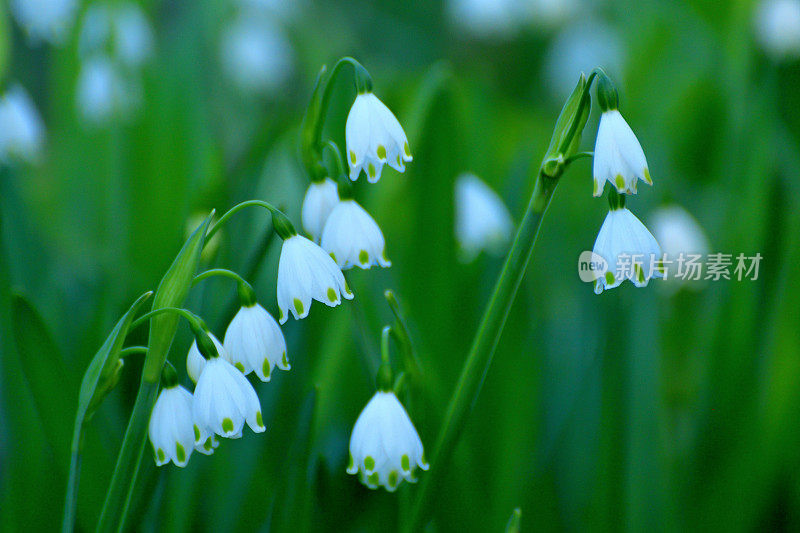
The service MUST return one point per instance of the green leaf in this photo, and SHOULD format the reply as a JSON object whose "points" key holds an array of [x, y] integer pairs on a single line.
{"points": [[171, 292], [106, 357], [51, 385]]}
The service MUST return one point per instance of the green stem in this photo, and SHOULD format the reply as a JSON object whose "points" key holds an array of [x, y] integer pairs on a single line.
{"points": [[131, 350], [480, 356], [326, 95], [238, 207], [190, 317], [218, 272]]}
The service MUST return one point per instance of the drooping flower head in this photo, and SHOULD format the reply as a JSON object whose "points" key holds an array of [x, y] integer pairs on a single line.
{"points": [[778, 27], [618, 156], [374, 138], [482, 219], [353, 238], [21, 128], [320, 199], [223, 399], [306, 273], [255, 339], [172, 431], [384, 447], [629, 249], [45, 20]]}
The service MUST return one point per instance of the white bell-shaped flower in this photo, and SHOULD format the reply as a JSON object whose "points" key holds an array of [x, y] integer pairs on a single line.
{"points": [[629, 250], [618, 156], [778, 27], [255, 338], [482, 219], [224, 400], [306, 273], [195, 362], [21, 128], [353, 238], [320, 199], [172, 430], [45, 20], [384, 447], [374, 137]]}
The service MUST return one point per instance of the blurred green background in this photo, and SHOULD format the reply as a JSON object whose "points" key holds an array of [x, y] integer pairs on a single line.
{"points": [[640, 409]]}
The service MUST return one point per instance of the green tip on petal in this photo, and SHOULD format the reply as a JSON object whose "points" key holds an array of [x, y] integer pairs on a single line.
{"points": [[639, 273], [347, 289], [371, 170], [596, 189], [619, 181], [352, 157], [266, 368], [240, 366], [160, 455], [331, 294], [196, 434], [373, 479], [405, 463], [180, 453], [285, 360], [393, 478], [333, 256], [259, 419], [381, 151], [350, 462], [298, 306], [208, 444], [227, 425], [647, 177], [369, 462], [407, 150], [280, 314], [609, 278], [363, 257]]}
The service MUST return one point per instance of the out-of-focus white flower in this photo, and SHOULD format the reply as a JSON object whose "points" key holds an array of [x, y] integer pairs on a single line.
{"points": [[305, 273], [45, 20], [172, 430], [254, 338], [678, 233], [384, 447], [629, 249], [578, 48], [482, 219], [104, 92], [133, 37], [21, 127], [353, 238], [121, 31], [374, 137], [195, 362], [320, 199], [223, 401], [778, 27], [256, 54], [503, 18], [618, 156]]}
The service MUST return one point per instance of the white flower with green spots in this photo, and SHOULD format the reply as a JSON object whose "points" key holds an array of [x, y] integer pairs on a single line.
{"points": [[223, 401], [254, 338], [171, 429], [195, 362], [353, 238], [384, 447], [320, 199], [630, 250], [618, 156], [374, 137], [305, 273]]}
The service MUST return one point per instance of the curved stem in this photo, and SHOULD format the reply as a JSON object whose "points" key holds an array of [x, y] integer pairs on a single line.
{"points": [[326, 95], [132, 350], [579, 155], [235, 209], [480, 356], [223, 272], [343, 186], [193, 319], [387, 330], [337, 157]]}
